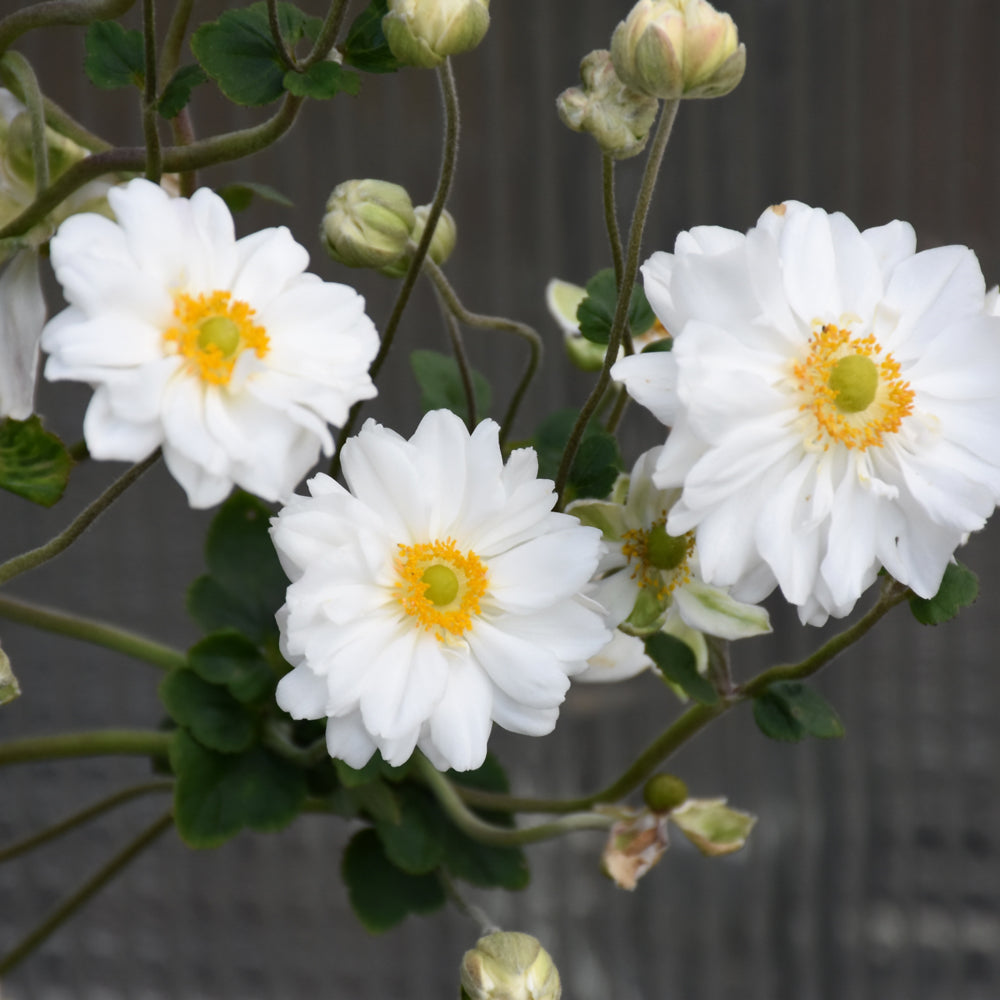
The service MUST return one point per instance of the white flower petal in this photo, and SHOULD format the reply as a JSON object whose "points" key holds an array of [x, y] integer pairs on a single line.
{"points": [[22, 316]]}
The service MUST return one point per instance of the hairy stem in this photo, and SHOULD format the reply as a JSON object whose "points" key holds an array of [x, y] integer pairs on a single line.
{"points": [[170, 53], [53, 12], [30, 92], [611, 217], [462, 361], [93, 743], [327, 34], [150, 114]]}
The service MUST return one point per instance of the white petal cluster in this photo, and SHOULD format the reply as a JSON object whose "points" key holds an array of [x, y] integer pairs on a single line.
{"points": [[223, 352], [834, 403], [436, 595]]}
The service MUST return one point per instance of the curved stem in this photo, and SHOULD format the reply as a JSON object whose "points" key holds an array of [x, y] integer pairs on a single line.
{"points": [[482, 322], [31, 93], [327, 34], [449, 157], [618, 410], [94, 632], [94, 743], [79, 818], [53, 12], [611, 216], [656, 150], [279, 40], [170, 53], [150, 114], [29, 560], [91, 887], [462, 361], [478, 916]]}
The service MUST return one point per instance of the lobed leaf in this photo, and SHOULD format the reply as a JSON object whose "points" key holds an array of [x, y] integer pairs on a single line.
{"points": [[676, 661], [34, 463], [441, 385], [365, 46], [790, 711], [210, 713], [959, 588], [115, 56], [177, 92]]}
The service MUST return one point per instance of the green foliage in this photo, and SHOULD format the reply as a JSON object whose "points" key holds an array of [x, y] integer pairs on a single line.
{"points": [[217, 795], [115, 57], [441, 385], [365, 46], [177, 92], [791, 711], [596, 465], [959, 589], [415, 840], [34, 463], [239, 197], [234, 662], [322, 80], [210, 713], [240, 54], [675, 660], [596, 312], [382, 894], [245, 584]]}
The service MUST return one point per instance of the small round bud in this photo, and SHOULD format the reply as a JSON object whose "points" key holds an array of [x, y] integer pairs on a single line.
{"points": [[508, 965], [367, 223], [442, 242], [618, 117], [664, 792], [678, 48], [425, 32]]}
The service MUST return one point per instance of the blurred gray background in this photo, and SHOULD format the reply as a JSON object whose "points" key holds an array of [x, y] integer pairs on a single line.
{"points": [[874, 869]]}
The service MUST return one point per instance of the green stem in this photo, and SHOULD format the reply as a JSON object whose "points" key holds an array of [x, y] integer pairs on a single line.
{"points": [[31, 93], [79, 818], [93, 743], [468, 822], [478, 916], [618, 410], [94, 632], [327, 34], [279, 40], [170, 54], [462, 361], [611, 217], [150, 113], [645, 196], [29, 560], [53, 12], [449, 157], [91, 887], [478, 321]]}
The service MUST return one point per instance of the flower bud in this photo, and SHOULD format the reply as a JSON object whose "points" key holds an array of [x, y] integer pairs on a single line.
{"points": [[664, 792], [425, 32], [367, 223], [16, 143], [508, 965], [618, 117], [678, 48], [442, 242]]}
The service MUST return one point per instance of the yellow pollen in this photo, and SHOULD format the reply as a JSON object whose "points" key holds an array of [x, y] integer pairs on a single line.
{"points": [[852, 390], [440, 587], [211, 331], [660, 562]]}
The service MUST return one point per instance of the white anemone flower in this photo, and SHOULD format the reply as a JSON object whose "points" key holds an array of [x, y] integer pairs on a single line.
{"points": [[438, 594], [835, 403], [223, 352]]}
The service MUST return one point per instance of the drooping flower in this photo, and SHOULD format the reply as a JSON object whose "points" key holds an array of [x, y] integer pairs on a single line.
{"points": [[834, 400], [436, 595], [222, 351]]}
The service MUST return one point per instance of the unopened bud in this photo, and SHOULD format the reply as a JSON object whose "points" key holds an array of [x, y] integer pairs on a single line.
{"points": [[367, 223], [508, 965], [18, 152], [617, 116], [664, 792], [425, 32], [678, 48], [442, 242]]}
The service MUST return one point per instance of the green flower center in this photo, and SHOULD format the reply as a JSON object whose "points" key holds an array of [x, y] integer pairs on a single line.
{"points": [[219, 332], [854, 380], [442, 584], [665, 551]]}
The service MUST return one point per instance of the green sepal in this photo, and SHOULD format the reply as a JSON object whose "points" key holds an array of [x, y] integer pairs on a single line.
{"points": [[34, 463], [217, 795], [959, 588], [441, 385], [790, 711], [597, 463], [115, 56], [382, 895], [177, 92], [365, 47], [676, 661], [596, 312], [322, 80], [210, 713], [239, 197], [230, 659]]}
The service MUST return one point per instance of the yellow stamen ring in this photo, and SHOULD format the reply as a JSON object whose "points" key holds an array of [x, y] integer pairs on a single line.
{"points": [[440, 587], [660, 561], [211, 332], [852, 389]]}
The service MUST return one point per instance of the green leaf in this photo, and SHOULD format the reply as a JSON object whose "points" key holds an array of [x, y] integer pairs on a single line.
{"points": [[596, 312], [217, 795], [959, 588], [790, 711], [676, 662], [322, 80], [596, 465], [34, 463], [381, 894], [414, 842], [238, 197], [239, 53], [233, 661], [177, 92], [376, 800], [441, 385], [365, 46], [663, 344], [115, 57], [211, 714]]}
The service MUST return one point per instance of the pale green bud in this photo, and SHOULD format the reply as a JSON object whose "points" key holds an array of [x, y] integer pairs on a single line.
{"points": [[367, 223], [16, 141], [508, 965], [617, 116], [442, 242], [678, 48], [425, 32]]}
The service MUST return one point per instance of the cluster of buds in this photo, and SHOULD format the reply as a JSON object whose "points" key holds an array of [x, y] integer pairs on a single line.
{"points": [[508, 965], [425, 32]]}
